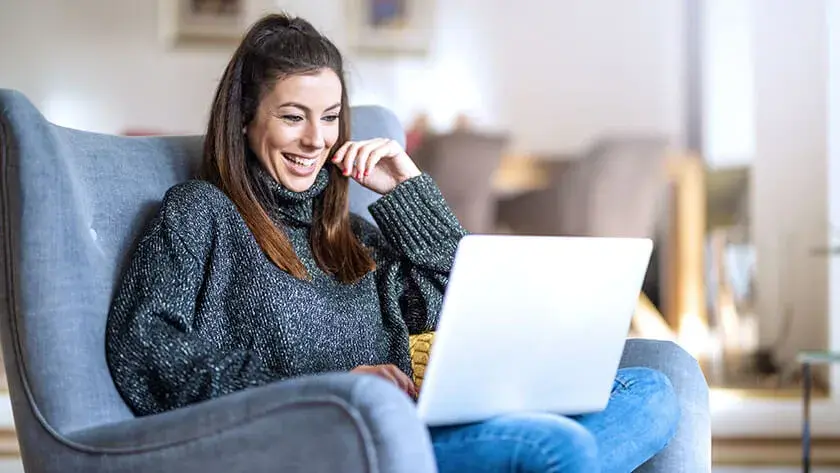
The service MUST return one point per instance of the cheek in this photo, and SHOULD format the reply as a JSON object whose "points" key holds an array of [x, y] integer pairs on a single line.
{"points": [[330, 136], [279, 136]]}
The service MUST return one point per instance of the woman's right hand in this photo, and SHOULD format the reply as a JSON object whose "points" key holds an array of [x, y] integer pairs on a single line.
{"points": [[392, 374]]}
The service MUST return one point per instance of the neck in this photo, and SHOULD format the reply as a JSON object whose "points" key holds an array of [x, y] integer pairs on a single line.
{"points": [[292, 208]]}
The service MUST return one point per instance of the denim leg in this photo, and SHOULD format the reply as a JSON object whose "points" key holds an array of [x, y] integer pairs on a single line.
{"points": [[640, 419], [520, 443]]}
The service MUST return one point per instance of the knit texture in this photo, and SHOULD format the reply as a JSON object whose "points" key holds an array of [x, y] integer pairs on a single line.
{"points": [[202, 312]]}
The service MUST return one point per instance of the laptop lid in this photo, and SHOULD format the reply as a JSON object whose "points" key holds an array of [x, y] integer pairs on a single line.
{"points": [[532, 323]]}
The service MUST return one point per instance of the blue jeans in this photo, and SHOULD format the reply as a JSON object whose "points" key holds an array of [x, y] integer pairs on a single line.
{"points": [[639, 421]]}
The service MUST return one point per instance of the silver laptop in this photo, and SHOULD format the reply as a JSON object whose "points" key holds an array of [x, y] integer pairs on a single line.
{"points": [[532, 324]]}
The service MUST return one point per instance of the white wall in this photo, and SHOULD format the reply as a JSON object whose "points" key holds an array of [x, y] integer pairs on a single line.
{"points": [[728, 82], [557, 74], [833, 178], [96, 65], [766, 106], [790, 194], [574, 69]]}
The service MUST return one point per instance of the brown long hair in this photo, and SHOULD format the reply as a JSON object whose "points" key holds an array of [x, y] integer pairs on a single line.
{"points": [[276, 47]]}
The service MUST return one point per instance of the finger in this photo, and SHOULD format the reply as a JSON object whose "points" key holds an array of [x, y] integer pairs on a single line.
{"points": [[339, 154], [398, 375], [372, 164], [385, 373], [376, 151], [349, 158], [362, 157], [387, 149], [405, 382], [412, 388]]}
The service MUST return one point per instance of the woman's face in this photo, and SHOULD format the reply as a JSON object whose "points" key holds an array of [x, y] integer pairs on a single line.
{"points": [[295, 126]]}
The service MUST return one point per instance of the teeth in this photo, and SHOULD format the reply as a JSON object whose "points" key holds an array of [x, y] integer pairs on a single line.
{"points": [[300, 161]]}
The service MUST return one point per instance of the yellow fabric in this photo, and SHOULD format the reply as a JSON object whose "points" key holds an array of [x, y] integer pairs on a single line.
{"points": [[419, 347]]}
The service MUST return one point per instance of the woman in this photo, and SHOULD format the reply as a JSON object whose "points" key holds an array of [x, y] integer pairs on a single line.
{"points": [[258, 273]]}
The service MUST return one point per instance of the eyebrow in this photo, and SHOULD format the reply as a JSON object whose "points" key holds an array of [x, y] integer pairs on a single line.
{"points": [[305, 108]]}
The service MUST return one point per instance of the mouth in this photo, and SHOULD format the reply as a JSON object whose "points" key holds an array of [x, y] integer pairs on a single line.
{"points": [[302, 166], [301, 160]]}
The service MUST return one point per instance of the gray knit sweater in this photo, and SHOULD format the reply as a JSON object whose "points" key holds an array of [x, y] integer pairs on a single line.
{"points": [[202, 312]]}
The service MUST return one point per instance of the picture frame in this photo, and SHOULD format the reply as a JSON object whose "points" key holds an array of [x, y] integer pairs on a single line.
{"points": [[391, 26], [202, 23]]}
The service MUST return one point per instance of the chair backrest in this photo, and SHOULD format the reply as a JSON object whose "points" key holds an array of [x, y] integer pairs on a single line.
{"points": [[620, 187], [463, 163], [72, 204]]}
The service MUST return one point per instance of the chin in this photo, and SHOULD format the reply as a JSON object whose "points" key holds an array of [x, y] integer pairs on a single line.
{"points": [[297, 174], [297, 184]]}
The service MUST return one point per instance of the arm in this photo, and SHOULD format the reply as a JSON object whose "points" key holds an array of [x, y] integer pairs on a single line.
{"points": [[415, 251], [158, 358]]}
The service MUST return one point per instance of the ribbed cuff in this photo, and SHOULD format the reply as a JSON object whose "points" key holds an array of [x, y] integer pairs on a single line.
{"points": [[415, 217]]}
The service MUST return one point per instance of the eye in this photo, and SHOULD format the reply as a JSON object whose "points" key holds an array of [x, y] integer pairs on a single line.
{"points": [[331, 118], [292, 118]]}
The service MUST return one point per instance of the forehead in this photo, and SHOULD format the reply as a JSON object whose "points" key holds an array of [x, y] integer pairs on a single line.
{"points": [[320, 89]]}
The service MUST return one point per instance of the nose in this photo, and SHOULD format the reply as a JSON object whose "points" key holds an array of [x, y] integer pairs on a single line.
{"points": [[313, 136]]}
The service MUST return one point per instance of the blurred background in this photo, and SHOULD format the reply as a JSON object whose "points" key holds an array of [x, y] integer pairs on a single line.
{"points": [[710, 126]]}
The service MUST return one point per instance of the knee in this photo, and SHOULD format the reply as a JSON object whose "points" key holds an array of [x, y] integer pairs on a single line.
{"points": [[656, 403], [554, 443]]}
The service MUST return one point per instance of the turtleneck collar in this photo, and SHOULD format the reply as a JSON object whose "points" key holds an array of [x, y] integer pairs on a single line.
{"points": [[293, 208]]}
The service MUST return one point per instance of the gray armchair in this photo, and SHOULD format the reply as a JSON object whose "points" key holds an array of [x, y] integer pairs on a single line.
{"points": [[72, 205]]}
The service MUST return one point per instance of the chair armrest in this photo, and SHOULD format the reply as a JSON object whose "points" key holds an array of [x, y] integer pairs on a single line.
{"points": [[690, 449], [324, 423]]}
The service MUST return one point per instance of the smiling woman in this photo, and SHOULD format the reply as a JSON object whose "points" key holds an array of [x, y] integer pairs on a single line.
{"points": [[283, 95], [258, 272], [290, 139]]}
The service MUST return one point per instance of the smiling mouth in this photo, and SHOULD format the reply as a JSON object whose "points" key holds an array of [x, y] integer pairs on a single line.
{"points": [[301, 161]]}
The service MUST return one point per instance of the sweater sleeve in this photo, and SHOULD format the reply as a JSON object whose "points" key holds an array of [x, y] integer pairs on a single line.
{"points": [[414, 256], [158, 358]]}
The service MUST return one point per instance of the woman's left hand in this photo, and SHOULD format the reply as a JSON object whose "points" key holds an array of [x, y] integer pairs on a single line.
{"points": [[379, 164]]}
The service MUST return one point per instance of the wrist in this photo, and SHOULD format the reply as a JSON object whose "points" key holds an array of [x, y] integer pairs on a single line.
{"points": [[409, 175]]}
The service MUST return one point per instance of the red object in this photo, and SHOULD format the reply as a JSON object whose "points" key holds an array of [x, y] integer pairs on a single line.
{"points": [[413, 138]]}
